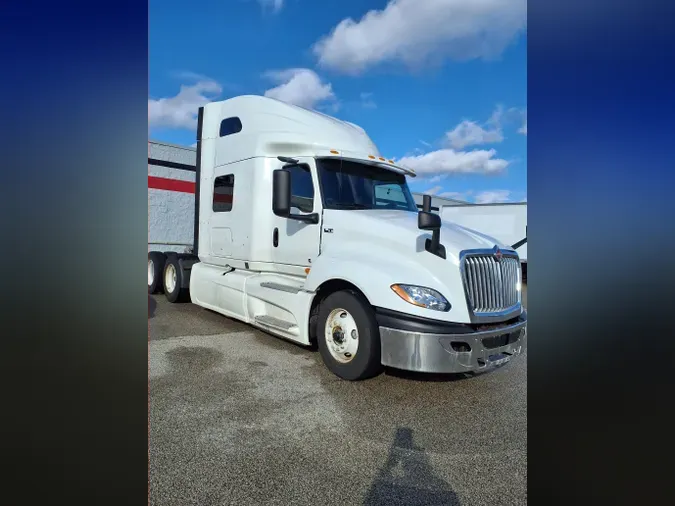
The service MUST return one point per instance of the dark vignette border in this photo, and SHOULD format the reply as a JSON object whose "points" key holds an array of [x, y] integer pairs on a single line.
{"points": [[74, 350]]}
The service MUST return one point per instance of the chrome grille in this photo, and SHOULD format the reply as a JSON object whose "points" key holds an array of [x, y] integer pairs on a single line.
{"points": [[492, 286]]}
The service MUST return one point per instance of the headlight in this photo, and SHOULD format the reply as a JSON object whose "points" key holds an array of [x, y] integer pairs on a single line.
{"points": [[422, 297]]}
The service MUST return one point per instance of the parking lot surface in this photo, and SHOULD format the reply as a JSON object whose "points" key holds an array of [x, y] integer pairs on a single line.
{"points": [[239, 417]]}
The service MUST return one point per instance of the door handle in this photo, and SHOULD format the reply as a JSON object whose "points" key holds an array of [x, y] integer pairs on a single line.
{"points": [[275, 237]]}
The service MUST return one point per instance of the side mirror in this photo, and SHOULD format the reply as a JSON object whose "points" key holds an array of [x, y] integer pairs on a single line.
{"points": [[428, 221], [281, 198], [281, 192]]}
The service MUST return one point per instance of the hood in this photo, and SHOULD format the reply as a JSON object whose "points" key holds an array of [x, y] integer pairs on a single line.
{"points": [[399, 230]]}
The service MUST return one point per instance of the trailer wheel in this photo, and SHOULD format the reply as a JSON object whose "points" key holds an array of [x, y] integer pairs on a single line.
{"points": [[349, 337], [156, 261], [172, 280]]}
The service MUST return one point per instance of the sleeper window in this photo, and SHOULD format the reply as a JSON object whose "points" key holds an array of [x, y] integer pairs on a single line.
{"points": [[302, 188], [223, 191], [230, 126]]}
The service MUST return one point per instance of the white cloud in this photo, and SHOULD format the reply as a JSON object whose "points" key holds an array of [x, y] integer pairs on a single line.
{"points": [[299, 86], [523, 129], [492, 196], [470, 133], [416, 32], [521, 116], [433, 191], [274, 5], [180, 111], [515, 115], [455, 195], [449, 161], [367, 101]]}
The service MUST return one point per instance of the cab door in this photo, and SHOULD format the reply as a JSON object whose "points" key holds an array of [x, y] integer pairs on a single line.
{"points": [[296, 244]]}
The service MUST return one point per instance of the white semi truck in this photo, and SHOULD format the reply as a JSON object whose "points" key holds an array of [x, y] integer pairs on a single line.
{"points": [[302, 229]]}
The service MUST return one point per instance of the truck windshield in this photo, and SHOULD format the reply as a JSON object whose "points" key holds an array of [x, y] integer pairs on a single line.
{"points": [[354, 185]]}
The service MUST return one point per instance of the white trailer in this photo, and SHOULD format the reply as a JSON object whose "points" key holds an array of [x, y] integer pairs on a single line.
{"points": [[301, 228], [506, 222], [171, 197]]}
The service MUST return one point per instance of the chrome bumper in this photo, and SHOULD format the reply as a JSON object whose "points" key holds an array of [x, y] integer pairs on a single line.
{"points": [[452, 352]]}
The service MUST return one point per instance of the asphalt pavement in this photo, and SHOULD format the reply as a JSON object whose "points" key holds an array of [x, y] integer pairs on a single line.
{"points": [[239, 417]]}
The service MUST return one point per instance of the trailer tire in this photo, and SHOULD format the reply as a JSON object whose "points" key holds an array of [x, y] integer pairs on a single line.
{"points": [[349, 336], [172, 279], [156, 261]]}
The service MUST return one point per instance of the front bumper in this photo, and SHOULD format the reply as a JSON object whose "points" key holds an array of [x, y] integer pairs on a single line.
{"points": [[416, 344]]}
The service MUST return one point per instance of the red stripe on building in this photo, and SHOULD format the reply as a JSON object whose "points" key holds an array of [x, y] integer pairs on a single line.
{"points": [[173, 185], [176, 185]]}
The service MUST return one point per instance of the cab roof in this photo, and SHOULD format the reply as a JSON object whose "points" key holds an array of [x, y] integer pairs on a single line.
{"points": [[252, 125]]}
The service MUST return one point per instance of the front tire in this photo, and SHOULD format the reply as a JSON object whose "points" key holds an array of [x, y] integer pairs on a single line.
{"points": [[349, 337], [173, 280]]}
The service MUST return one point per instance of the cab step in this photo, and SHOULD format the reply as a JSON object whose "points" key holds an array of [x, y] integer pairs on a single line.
{"points": [[276, 323]]}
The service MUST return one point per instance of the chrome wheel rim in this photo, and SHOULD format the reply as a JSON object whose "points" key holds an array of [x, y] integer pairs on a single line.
{"points": [[170, 278], [342, 335]]}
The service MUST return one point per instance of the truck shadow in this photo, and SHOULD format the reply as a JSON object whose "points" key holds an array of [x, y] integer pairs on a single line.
{"points": [[152, 305], [407, 478]]}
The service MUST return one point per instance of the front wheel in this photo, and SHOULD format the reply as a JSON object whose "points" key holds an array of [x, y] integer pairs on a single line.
{"points": [[349, 337]]}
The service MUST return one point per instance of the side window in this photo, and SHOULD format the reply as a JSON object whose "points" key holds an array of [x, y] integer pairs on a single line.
{"points": [[389, 195], [230, 126], [223, 192], [302, 189]]}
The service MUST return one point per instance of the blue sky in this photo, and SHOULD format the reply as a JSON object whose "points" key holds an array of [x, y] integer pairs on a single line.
{"points": [[439, 85]]}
